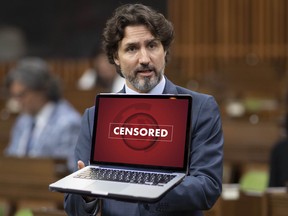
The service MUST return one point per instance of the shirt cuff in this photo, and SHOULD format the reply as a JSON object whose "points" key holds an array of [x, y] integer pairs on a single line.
{"points": [[91, 207]]}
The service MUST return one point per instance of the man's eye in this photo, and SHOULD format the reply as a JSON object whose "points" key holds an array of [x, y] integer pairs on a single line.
{"points": [[130, 49], [152, 45]]}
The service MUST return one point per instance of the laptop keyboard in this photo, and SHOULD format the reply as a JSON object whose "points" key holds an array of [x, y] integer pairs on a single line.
{"points": [[126, 176]]}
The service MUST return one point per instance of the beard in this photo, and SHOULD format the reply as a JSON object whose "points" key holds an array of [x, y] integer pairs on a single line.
{"points": [[145, 84]]}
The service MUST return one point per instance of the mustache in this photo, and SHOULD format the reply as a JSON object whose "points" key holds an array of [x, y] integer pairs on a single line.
{"points": [[144, 68]]}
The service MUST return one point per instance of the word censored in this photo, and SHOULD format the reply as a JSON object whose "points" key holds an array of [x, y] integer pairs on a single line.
{"points": [[151, 132], [141, 131]]}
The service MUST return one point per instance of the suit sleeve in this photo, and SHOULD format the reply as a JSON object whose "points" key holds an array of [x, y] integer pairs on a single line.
{"points": [[75, 204], [202, 187]]}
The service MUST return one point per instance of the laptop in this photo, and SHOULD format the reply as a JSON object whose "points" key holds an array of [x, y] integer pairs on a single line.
{"points": [[140, 148]]}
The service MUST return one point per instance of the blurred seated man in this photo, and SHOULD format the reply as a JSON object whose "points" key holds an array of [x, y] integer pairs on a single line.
{"points": [[101, 74], [47, 125], [279, 160]]}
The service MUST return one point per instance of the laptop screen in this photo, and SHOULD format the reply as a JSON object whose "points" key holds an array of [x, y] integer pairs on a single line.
{"points": [[142, 130]]}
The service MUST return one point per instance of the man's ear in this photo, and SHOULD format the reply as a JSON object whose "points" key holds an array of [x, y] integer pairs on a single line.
{"points": [[116, 60]]}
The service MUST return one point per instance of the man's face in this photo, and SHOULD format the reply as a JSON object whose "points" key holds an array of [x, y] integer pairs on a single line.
{"points": [[29, 101], [141, 58]]}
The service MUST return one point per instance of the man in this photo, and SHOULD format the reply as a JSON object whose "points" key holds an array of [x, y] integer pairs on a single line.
{"points": [[48, 126], [137, 41], [100, 75]]}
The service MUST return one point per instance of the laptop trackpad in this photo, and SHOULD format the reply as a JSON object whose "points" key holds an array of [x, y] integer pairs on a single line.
{"points": [[105, 187]]}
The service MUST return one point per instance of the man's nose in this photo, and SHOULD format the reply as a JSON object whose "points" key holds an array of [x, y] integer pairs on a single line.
{"points": [[144, 57]]}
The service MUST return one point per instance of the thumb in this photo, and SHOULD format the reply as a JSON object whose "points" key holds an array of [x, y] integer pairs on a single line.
{"points": [[81, 164]]}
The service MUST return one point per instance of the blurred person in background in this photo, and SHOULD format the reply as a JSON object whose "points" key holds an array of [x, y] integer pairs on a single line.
{"points": [[47, 125], [101, 75], [278, 176]]}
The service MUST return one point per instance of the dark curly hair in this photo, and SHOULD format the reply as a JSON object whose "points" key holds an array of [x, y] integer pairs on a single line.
{"points": [[135, 14], [35, 74]]}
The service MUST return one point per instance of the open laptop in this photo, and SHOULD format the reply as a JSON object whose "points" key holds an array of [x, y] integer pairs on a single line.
{"points": [[140, 143]]}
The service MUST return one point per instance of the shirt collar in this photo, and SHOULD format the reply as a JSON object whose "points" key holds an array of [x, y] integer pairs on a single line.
{"points": [[158, 89], [43, 116]]}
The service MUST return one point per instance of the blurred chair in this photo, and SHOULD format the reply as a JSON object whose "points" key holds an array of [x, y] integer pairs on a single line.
{"points": [[24, 212], [254, 181]]}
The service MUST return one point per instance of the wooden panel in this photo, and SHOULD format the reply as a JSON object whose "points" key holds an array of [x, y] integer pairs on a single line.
{"points": [[81, 100], [235, 48], [246, 142], [273, 202], [68, 70], [48, 212], [278, 204], [252, 204], [209, 33], [233, 202], [26, 180]]}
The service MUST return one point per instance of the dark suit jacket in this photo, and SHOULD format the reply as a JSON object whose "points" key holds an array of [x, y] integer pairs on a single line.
{"points": [[198, 191], [278, 176]]}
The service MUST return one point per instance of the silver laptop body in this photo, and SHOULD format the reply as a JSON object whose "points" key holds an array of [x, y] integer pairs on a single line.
{"points": [[135, 135]]}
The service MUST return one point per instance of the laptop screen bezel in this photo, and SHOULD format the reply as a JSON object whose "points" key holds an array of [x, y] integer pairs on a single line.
{"points": [[187, 149]]}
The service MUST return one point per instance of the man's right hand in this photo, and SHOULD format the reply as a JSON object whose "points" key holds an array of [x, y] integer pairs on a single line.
{"points": [[81, 165]]}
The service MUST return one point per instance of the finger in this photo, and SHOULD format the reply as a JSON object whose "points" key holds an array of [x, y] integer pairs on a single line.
{"points": [[80, 164]]}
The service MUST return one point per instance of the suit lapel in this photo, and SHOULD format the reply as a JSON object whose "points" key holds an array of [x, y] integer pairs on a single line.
{"points": [[169, 88]]}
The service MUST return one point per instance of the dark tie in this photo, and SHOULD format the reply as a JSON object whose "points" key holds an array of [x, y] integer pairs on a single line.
{"points": [[29, 140]]}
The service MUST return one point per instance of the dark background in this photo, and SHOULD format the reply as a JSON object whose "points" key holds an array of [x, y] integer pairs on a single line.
{"points": [[62, 28]]}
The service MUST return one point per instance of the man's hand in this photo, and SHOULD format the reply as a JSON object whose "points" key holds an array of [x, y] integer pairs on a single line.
{"points": [[81, 165]]}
